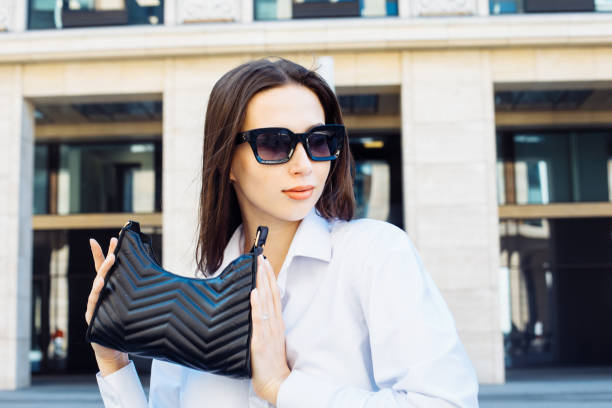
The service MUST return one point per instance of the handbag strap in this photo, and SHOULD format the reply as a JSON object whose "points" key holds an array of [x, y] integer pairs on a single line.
{"points": [[260, 240]]}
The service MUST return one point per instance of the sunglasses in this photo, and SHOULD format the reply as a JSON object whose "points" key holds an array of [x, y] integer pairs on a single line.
{"points": [[275, 145]]}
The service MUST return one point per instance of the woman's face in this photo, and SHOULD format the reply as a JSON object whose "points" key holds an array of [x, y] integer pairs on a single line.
{"points": [[263, 189]]}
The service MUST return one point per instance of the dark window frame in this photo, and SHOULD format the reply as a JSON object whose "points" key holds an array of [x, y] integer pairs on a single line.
{"points": [[558, 6], [326, 9]]}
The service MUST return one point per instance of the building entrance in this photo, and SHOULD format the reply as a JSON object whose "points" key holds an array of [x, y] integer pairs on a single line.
{"points": [[97, 164], [378, 176], [63, 272], [559, 277], [555, 196]]}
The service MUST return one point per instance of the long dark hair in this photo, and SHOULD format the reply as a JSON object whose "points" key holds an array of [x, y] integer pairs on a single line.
{"points": [[219, 214]]}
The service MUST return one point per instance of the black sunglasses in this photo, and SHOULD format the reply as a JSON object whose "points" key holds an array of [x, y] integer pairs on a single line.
{"points": [[275, 145]]}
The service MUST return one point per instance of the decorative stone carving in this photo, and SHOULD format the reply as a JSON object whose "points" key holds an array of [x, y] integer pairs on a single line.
{"points": [[444, 7], [5, 13], [196, 11]]}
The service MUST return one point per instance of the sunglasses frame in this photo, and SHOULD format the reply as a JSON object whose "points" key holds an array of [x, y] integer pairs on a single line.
{"points": [[250, 136]]}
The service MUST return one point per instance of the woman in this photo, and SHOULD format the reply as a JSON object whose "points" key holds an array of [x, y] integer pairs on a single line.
{"points": [[344, 314]]}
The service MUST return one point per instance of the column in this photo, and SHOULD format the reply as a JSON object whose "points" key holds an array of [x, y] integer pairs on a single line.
{"points": [[326, 70], [186, 90], [448, 143], [6, 15], [16, 170], [13, 15], [170, 12], [404, 10], [483, 7], [247, 11]]}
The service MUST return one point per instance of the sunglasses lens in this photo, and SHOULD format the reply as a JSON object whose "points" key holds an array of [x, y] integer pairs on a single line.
{"points": [[323, 143], [273, 146]]}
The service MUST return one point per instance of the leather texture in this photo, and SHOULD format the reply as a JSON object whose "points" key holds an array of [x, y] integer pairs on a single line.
{"points": [[147, 311]]}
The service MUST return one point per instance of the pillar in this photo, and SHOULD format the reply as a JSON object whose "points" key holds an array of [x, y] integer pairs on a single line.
{"points": [[187, 87], [450, 205], [16, 172]]}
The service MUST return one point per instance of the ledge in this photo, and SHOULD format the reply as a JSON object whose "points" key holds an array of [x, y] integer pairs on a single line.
{"points": [[320, 35], [556, 210], [96, 220]]}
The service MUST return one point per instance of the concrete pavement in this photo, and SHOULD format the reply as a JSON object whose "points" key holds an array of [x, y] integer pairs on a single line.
{"points": [[555, 388]]}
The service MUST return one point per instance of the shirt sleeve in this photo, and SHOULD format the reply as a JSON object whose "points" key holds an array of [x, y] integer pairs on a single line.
{"points": [[417, 357], [122, 389]]}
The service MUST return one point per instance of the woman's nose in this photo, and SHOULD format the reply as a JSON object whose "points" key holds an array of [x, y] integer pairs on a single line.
{"points": [[300, 162]]}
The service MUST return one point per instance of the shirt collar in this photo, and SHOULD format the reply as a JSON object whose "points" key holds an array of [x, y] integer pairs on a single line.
{"points": [[312, 239]]}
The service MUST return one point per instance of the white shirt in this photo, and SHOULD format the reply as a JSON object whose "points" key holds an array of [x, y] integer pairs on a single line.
{"points": [[365, 327]]}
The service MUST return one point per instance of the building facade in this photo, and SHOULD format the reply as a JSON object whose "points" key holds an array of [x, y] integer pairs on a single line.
{"points": [[483, 128]]}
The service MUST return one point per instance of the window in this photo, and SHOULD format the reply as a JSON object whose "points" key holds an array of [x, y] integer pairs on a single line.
{"points": [[505, 6], [550, 100], [41, 181], [296, 9], [378, 175], [543, 167], [98, 178], [359, 104], [89, 13], [548, 6]]}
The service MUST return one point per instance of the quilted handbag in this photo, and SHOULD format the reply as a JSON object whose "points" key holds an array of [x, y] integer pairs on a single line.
{"points": [[147, 311]]}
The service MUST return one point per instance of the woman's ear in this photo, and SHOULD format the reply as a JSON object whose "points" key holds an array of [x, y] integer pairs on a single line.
{"points": [[232, 178]]}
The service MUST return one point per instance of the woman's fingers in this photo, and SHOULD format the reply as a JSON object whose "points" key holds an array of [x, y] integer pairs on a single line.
{"points": [[108, 360], [274, 289], [106, 265], [96, 288], [255, 310], [110, 258], [112, 245], [97, 253], [268, 353], [111, 248], [102, 267], [263, 288], [269, 309], [256, 299]]}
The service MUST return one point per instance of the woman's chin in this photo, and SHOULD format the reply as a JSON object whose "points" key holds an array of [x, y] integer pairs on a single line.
{"points": [[296, 211]]}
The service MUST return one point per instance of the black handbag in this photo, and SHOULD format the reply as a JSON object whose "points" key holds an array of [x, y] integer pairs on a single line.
{"points": [[147, 311]]}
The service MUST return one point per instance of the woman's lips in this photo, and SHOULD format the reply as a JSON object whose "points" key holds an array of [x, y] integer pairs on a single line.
{"points": [[299, 192]]}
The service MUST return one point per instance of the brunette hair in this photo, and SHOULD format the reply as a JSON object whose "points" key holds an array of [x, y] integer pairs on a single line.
{"points": [[219, 213]]}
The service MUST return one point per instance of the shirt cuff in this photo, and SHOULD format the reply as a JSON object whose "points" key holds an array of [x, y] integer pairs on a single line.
{"points": [[122, 388]]}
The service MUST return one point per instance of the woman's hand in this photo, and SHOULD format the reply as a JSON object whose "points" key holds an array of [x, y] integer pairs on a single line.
{"points": [[268, 357], [109, 360]]}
